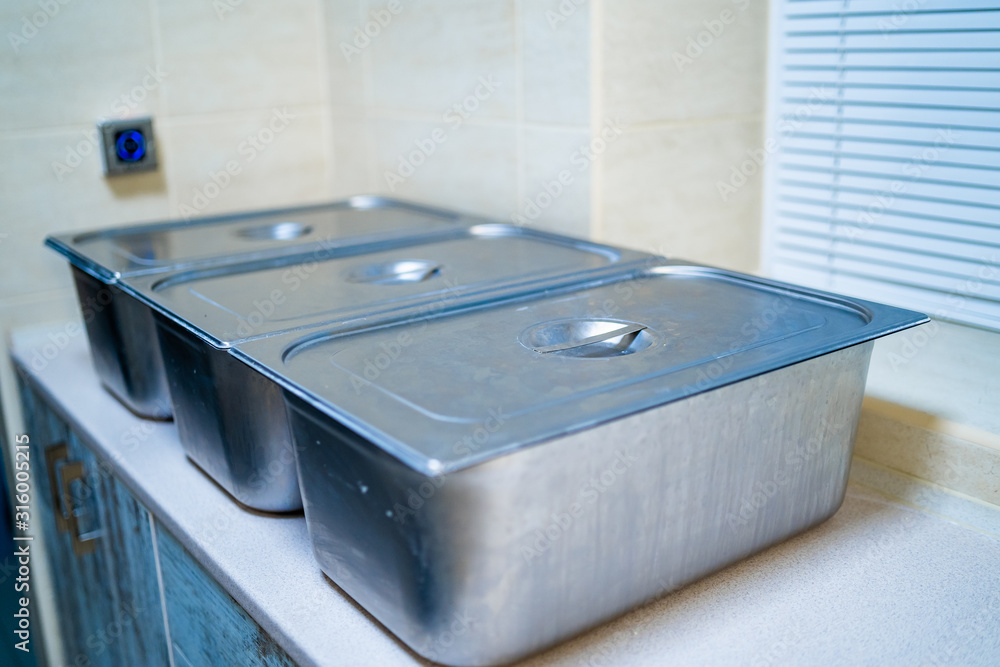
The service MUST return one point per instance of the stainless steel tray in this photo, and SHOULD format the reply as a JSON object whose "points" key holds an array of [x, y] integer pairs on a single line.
{"points": [[165, 246], [232, 421], [121, 331], [517, 473]]}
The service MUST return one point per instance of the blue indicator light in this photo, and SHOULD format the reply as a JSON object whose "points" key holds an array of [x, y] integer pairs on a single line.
{"points": [[130, 146]]}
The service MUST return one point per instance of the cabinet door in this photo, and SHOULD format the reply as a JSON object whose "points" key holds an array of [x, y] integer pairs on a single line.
{"points": [[79, 577], [99, 544], [207, 626], [136, 634]]}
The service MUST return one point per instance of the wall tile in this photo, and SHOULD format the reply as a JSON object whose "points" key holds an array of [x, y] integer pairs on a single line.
{"points": [[556, 62], [346, 63], [255, 56], [549, 154], [278, 157], [642, 41], [43, 308], [87, 61], [36, 203], [660, 193], [432, 55], [353, 162], [474, 169]]}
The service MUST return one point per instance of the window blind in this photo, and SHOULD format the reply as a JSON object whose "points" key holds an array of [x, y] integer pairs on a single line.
{"points": [[883, 179]]}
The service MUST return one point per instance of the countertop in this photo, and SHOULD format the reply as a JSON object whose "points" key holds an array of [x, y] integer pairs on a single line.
{"points": [[880, 583]]}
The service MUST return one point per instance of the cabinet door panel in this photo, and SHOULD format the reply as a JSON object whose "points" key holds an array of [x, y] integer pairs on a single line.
{"points": [[83, 598], [137, 634], [100, 545], [207, 626]]}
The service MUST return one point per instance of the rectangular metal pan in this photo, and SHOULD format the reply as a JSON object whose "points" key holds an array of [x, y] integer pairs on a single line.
{"points": [[521, 472], [121, 330], [232, 422]]}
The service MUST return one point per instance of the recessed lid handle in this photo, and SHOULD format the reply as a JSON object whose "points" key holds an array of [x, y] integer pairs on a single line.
{"points": [[402, 271], [277, 231], [628, 329]]}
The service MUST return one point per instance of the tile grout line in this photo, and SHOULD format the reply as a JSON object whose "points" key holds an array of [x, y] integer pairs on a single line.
{"points": [[667, 123], [156, 37], [179, 120], [329, 130], [163, 594], [187, 120], [428, 117], [519, 125], [157, 40], [183, 120], [368, 93], [597, 230]]}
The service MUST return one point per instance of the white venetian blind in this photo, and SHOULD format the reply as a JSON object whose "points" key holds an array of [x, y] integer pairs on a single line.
{"points": [[886, 180]]}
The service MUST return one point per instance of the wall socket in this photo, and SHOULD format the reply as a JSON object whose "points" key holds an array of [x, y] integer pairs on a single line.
{"points": [[127, 146]]}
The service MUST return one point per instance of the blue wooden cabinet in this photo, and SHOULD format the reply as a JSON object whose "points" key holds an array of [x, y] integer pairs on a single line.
{"points": [[120, 578], [207, 627], [67, 483]]}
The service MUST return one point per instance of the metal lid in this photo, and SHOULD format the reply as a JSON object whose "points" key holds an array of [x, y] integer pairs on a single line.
{"points": [[532, 369], [358, 286], [142, 249]]}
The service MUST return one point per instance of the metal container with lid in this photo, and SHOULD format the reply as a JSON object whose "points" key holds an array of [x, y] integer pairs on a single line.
{"points": [[121, 330], [232, 421], [517, 472]]}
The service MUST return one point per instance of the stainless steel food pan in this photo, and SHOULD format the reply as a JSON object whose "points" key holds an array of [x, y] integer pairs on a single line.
{"points": [[123, 345], [232, 421], [121, 331], [521, 472]]}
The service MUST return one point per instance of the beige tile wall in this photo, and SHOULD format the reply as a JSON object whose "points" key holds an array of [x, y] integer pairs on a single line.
{"points": [[686, 81], [496, 93], [566, 72]]}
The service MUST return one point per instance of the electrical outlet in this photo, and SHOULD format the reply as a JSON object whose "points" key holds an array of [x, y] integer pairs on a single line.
{"points": [[127, 145]]}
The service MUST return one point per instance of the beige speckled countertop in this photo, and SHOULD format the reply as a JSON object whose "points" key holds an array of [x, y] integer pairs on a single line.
{"points": [[881, 583]]}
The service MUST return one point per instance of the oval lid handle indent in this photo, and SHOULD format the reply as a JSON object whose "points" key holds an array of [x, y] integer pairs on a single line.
{"points": [[277, 231], [402, 271], [626, 330]]}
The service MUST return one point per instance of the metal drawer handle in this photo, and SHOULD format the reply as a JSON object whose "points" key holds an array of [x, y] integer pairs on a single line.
{"points": [[82, 544], [62, 473], [607, 335], [53, 455]]}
